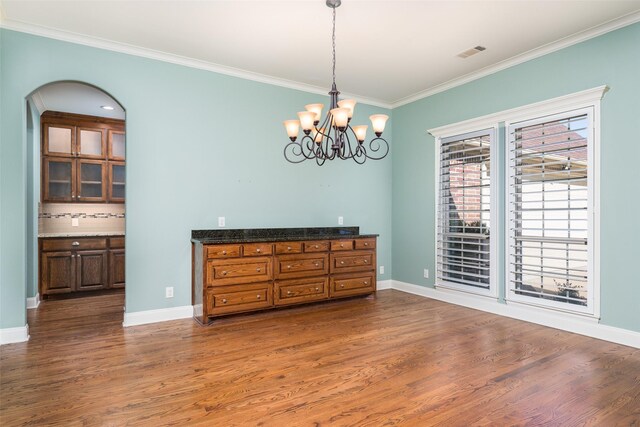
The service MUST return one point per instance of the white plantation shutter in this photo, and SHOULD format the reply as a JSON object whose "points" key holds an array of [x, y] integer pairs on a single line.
{"points": [[464, 212], [550, 211]]}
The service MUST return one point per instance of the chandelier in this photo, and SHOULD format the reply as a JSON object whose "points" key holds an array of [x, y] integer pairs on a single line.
{"points": [[333, 137]]}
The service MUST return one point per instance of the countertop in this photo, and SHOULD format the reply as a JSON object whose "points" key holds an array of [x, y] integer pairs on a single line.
{"points": [[83, 234], [249, 235]]}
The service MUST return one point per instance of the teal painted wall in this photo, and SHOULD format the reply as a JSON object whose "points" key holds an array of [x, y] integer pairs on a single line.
{"points": [[200, 145], [612, 59]]}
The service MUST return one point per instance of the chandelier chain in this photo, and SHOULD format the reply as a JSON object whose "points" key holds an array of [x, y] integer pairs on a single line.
{"points": [[333, 39]]}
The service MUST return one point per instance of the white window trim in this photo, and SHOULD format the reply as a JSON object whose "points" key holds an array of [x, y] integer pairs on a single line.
{"points": [[496, 233], [574, 101]]}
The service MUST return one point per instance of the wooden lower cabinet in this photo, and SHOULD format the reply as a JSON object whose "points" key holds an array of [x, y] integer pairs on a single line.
{"points": [[80, 264], [236, 278]]}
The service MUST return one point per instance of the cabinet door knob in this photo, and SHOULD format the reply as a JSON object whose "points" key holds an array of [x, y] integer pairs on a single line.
{"points": [[288, 248], [224, 252], [342, 286], [258, 296], [316, 246], [224, 300], [365, 261], [317, 289], [258, 250], [366, 283], [224, 273], [258, 269], [317, 265], [342, 262], [75, 244], [289, 292], [288, 266], [366, 244], [342, 245]]}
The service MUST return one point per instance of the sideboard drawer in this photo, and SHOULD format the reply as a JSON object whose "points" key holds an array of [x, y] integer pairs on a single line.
{"points": [[291, 266], [301, 290], [317, 246], [239, 298], [239, 270], [352, 261], [223, 251], [257, 249], [342, 245], [353, 285], [365, 243], [289, 248]]}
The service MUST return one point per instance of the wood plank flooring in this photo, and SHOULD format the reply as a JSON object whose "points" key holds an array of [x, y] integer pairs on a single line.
{"points": [[390, 359]]}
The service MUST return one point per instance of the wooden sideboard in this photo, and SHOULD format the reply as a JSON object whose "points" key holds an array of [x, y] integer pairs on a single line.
{"points": [[240, 277]]}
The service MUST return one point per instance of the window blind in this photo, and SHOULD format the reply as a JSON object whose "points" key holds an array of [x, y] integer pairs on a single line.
{"points": [[464, 211], [549, 210]]}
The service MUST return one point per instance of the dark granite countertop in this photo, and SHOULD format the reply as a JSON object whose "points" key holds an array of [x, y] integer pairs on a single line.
{"points": [[249, 235]]}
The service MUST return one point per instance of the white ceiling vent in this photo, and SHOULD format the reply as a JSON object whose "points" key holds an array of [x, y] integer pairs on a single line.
{"points": [[470, 52]]}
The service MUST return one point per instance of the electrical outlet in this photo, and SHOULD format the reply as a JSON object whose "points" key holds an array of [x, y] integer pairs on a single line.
{"points": [[382, 269], [168, 292], [221, 221], [75, 222], [426, 273], [340, 220]]}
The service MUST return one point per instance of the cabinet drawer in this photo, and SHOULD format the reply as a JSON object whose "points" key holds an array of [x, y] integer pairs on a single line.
{"points": [[78, 243], [239, 298], [342, 245], [116, 242], [353, 261], [289, 248], [319, 246], [352, 285], [301, 290], [223, 251], [365, 243], [257, 249], [291, 266], [239, 270]]}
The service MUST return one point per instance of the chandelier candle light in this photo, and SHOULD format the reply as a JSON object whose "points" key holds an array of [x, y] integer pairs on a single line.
{"points": [[334, 137]]}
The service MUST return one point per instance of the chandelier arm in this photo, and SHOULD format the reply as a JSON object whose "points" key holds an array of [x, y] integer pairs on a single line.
{"points": [[291, 147], [309, 145], [376, 145]]}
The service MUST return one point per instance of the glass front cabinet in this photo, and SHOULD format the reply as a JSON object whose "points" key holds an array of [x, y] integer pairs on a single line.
{"points": [[82, 158]]}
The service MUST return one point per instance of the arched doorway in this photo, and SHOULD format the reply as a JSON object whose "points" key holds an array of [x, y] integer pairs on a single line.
{"points": [[76, 157]]}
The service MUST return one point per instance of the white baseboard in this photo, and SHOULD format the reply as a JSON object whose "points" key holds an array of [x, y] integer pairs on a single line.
{"points": [[13, 335], [160, 315], [384, 284], [33, 302], [571, 323]]}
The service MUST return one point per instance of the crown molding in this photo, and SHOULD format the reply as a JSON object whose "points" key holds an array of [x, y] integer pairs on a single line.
{"points": [[571, 40], [157, 55], [38, 102]]}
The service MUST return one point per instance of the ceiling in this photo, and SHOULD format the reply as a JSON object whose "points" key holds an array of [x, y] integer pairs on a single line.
{"points": [[387, 51], [78, 98]]}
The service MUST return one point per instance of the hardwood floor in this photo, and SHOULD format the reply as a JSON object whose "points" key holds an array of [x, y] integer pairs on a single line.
{"points": [[390, 359]]}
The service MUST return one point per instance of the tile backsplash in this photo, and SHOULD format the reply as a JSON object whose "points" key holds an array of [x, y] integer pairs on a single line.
{"points": [[91, 218]]}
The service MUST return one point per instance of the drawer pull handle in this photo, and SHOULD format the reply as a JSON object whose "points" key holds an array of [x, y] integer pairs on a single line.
{"points": [[258, 250], [365, 261], [342, 245], [258, 269], [366, 244], [342, 262], [224, 300], [342, 286], [224, 273], [317, 289], [366, 283], [75, 244], [288, 248], [258, 296], [224, 252], [289, 292], [316, 246], [317, 265], [288, 266]]}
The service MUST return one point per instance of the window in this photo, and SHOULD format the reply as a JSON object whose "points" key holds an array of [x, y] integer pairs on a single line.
{"points": [[550, 211], [465, 243]]}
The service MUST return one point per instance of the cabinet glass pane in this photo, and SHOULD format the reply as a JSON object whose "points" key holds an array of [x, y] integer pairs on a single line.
{"points": [[90, 180], [91, 142], [117, 182], [59, 140], [59, 180], [117, 145]]}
